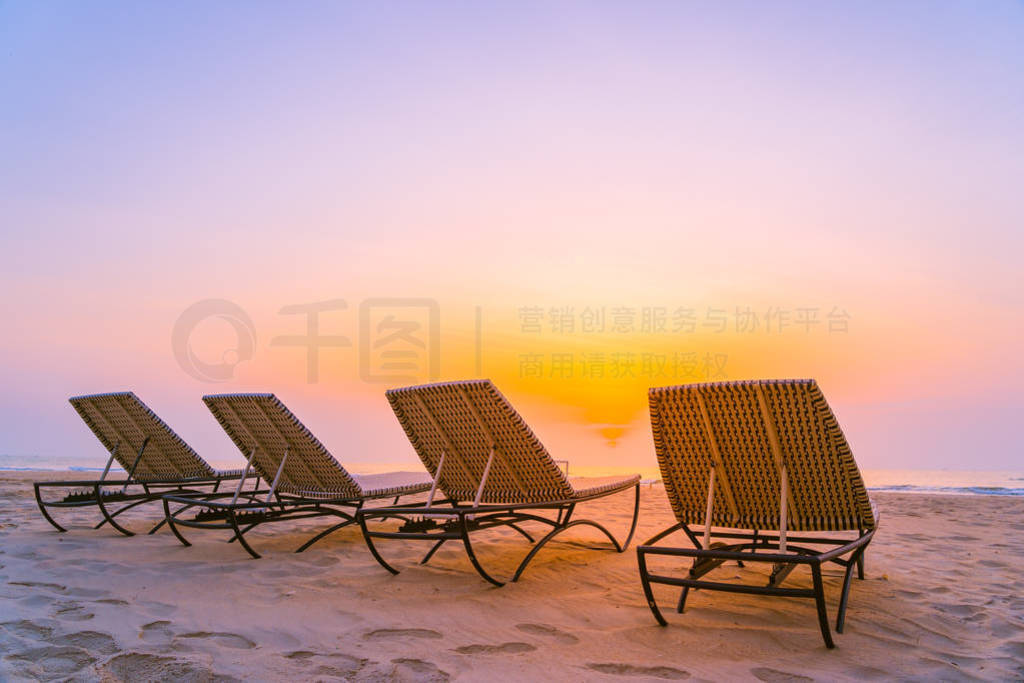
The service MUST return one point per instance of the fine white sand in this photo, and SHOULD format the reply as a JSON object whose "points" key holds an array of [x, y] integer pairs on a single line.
{"points": [[944, 598]]}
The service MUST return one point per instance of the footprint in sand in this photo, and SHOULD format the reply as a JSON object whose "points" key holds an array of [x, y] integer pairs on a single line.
{"points": [[156, 632], [86, 592], [663, 672], [26, 555], [113, 601], [232, 640], [27, 629], [136, 666], [71, 611], [776, 676], [50, 587], [548, 632], [327, 671], [158, 609], [513, 648], [35, 601], [91, 641], [417, 670], [334, 665], [385, 633], [991, 563], [51, 662]]}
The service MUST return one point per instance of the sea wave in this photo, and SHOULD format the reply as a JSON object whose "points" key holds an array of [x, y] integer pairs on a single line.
{"points": [[6, 468], [952, 490]]}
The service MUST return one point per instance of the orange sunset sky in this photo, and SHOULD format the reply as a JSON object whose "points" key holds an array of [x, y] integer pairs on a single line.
{"points": [[847, 174]]}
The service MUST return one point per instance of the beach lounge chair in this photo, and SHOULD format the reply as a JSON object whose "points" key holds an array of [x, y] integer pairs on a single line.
{"points": [[748, 463], [305, 479], [154, 458], [492, 471]]}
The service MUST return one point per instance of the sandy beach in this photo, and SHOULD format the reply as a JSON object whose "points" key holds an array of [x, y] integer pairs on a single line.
{"points": [[942, 600]]}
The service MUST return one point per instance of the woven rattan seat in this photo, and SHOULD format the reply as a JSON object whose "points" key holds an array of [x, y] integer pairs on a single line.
{"points": [[305, 479], [751, 462], [154, 457], [489, 465]]}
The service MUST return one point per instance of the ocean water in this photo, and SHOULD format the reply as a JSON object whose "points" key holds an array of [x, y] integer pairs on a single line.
{"points": [[960, 482], [954, 482], [52, 463]]}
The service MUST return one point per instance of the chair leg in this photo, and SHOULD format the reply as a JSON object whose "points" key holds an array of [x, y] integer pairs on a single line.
{"points": [[819, 599], [369, 544], [158, 525], [247, 529], [636, 516], [645, 581], [554, 532], [682, 599], [523, 532], [107, 516], [169, 518], [330, 530], [779, 573], [42, 509], [472, 555], [123, 509], [238, 535], [841, 616], [433, 549]]}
